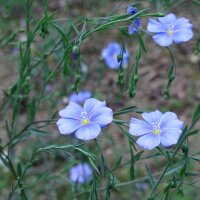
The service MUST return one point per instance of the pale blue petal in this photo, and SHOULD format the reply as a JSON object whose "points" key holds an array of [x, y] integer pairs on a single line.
{"points": [[105, 53], [125, 54], [73, 175], [80, 97], [114, 47], [81, 173], [74, 97], [92, 104], [87, 171], [155, 26], [111, 49], [81, 179], [170, 136], [149, 141], [125, 59], [132, 29], [102, 116], [73, 111], [139, 127], [88, 132], [168, 19], [152, 117], [112, 62], [86, 94], [68, 126], [163, 39], [176, 123], [137, 22], [110, 54], [135, 26], [183, 35], [170, 120], [182, 23]]}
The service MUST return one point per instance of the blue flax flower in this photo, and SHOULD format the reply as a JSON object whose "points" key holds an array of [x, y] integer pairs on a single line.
{"points": [[85, 121], [169, 29], [131, 10], [111, 54], [156, 128], [136, 25], [81, 97], [81, 173]]}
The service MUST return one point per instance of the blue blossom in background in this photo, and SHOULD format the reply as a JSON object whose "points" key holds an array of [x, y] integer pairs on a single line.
{"points": [[131, 10], [156, 128], [111, 53], [85, 121], [136, 25], [169, 29], [81, 173], [81, 97]]}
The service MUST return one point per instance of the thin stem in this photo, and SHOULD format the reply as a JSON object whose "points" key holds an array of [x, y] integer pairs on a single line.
{"points": [[24, 129], [141, 179], [14, 173]]}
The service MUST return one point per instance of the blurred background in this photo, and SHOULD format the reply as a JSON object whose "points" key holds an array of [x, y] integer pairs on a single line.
{"points": [[48, 178]]}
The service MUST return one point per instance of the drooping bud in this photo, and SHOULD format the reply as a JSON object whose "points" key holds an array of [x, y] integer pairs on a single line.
{"points": [[75, 52]]}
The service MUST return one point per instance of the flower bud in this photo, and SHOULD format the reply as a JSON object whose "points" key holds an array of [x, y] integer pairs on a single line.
{"points": [[75, 52]]}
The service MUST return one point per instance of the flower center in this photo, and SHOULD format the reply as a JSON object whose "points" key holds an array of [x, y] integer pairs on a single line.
{"points": [[170, 28], [84, 118], [156, 131], [156, 128], [115, 55], [170, 32]]}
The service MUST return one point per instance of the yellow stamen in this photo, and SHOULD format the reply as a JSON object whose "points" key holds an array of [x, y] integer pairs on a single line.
{"points": [[170, 32], [85, 121], [156, 131]]}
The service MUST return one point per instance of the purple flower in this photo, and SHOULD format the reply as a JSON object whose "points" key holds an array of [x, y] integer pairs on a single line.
{"points": [[136, 25], [169, 29], [85, 121], [80, 97], [156, 128], [81, 173], [111, 54], [131, 10]]}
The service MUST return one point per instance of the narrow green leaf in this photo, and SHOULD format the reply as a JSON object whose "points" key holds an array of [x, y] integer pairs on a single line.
{"points": [[150, 177], [132, 163], [142, 44], [93, 165], [195, 117]]}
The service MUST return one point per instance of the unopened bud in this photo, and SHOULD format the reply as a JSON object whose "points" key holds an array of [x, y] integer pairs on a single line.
{"points": [[119, 58], [75, 52], [184, 148]]}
